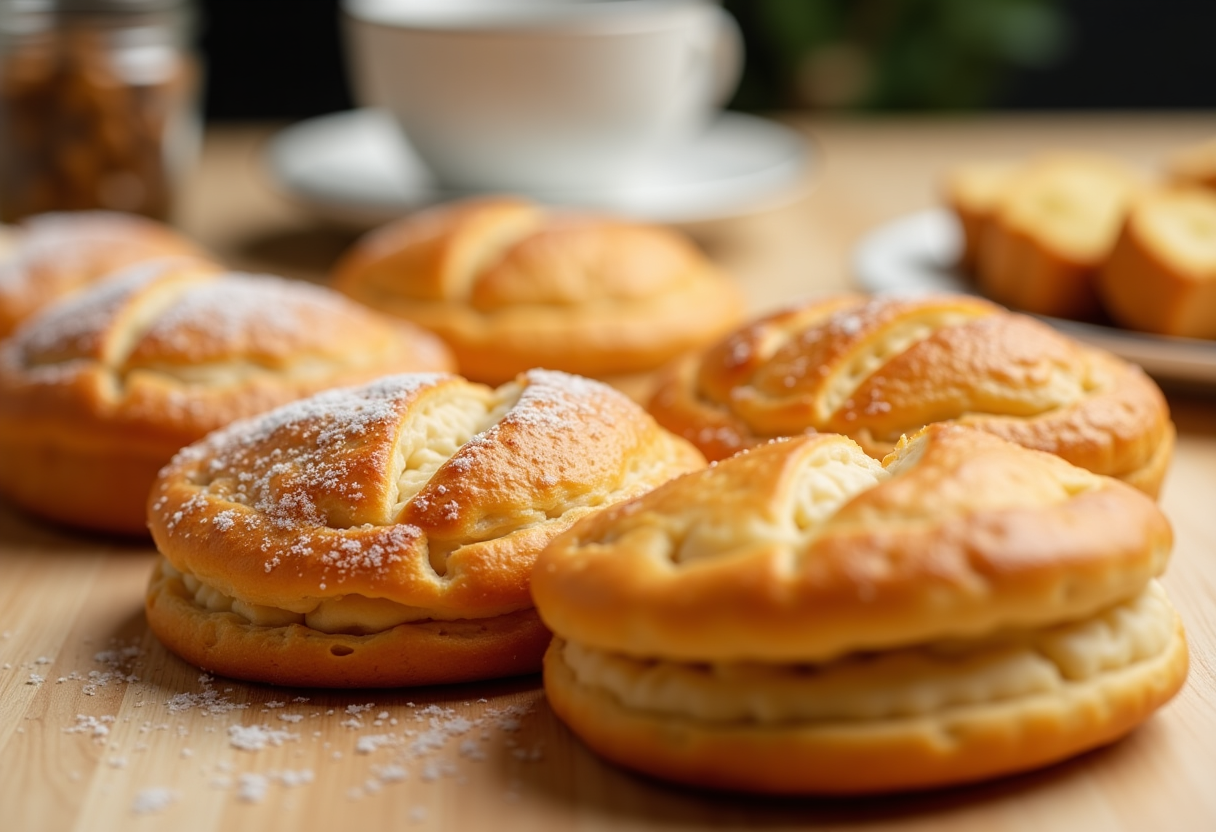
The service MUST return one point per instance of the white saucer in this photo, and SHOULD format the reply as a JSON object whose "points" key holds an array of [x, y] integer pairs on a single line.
{"points": [[917, 253], [354, 167]]}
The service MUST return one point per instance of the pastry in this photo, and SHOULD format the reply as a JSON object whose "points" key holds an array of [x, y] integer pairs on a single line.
{"points": [[385, 535], [876, 368], [801, 619], [51, 255], [99, 391], [972, 191], [1194, 165], [1161, 276], [510, 285], [1050, 230]]}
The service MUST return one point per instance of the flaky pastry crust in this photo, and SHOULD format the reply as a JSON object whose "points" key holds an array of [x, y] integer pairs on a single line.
{"points": [[694, 613], [52, 255], [877, 368], [389, 521], [100, 390], [961, 745], [511, 286], [806, 549]]}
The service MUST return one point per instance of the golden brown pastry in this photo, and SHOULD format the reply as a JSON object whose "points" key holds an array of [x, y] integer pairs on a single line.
{"points": [[385, 535], [101, 389], [802, 619], [509, 286], [51, 255], [1050, 230], [972, 191], [1161, 276], [876, 368], [1194, 165]]}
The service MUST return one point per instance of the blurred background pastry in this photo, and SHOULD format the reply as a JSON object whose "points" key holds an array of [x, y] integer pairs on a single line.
{"points": [[1050, 229], [510, 285], [51, 255], [1194, 165], [972, 191], [385, 535], [98, 391], [1161, 275], [802, 619]]}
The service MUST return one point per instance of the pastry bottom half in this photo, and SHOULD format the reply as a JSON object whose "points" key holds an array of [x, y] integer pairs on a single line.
{"points": [[852, 753], [101, 485], [428, 652]]}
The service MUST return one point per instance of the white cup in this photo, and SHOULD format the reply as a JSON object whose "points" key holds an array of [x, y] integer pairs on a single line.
{"points": [[543, 95]]}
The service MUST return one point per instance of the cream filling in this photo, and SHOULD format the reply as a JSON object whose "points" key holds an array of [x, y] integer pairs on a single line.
{"points": [[350, 614], [439, 430], [899, 683]]}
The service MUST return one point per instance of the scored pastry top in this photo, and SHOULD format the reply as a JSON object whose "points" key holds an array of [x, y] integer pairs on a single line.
{"points": [[426, 491], [806, 549], [178, 346], [877, 368], [492, 253], [51, 255], [511, 285]]}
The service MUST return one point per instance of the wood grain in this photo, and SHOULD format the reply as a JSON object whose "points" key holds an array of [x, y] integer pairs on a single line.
{"points": [[504, 762]]}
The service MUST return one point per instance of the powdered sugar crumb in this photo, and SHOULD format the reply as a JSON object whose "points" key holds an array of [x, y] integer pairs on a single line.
{"points": [[257, 737], [96, 727], [368, 744], [153, 800], [423, 742], [251, 787]]}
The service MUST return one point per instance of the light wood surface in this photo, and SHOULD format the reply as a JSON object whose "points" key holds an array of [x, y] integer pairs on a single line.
{"points": [[109, 751]]}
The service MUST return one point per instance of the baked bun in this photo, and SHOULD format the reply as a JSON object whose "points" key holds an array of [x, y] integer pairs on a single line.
{"points": [[802, 619], [877, 368], [385, 535], [1194, 165], [1050, 230], [1161, 277], [101, 389], [51, 255], [510, 286], [972, 191]]}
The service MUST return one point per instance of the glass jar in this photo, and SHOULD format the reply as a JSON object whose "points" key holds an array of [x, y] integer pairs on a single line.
{"points": [[98, 105]]}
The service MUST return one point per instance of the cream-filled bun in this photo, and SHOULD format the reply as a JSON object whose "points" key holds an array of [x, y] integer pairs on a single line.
{"points": [[385, 535], [510, 285], [875, 368], [99, 390], [803, 619], [48, 256]]}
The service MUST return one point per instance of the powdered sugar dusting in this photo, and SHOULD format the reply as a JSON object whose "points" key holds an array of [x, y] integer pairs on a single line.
{"points": [[553, 403], [257, 737], [76, 243], [384, 743], [153, 800], [75, 326], [281, 463], [263, 313]]}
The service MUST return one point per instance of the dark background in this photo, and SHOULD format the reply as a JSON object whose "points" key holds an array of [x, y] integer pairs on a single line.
{"points": [[283, 58]]}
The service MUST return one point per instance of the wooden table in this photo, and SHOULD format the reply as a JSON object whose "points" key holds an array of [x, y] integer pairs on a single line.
{"points": [[123, 748]]}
